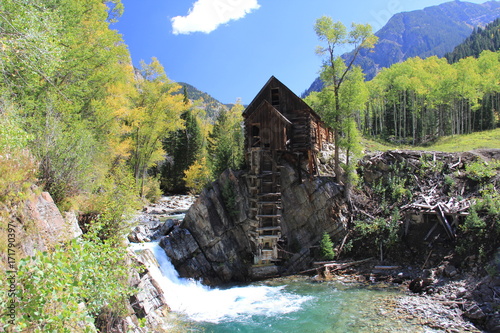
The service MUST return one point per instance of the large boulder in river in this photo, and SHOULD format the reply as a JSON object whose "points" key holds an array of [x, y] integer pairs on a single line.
{"points": [[214, 242]]}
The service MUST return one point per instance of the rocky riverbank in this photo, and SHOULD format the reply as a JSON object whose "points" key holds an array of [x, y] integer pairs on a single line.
{"points": [[443, 298], [159, 219]]}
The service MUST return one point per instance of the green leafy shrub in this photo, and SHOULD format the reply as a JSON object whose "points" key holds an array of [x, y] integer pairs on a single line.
{"points": [[378, 232], [65, 289], [113, 205], [430, 164], [394, 187], [18, 170], [481, 171], [152, 190], [482, 225], [197, 176]]}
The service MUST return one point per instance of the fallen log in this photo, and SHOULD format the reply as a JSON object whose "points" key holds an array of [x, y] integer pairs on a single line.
{"points": [[349, 264], [389, 268], [338, 266]]}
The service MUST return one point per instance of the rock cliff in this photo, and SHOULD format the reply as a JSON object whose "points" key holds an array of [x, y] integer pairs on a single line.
{"points": [[43, 225], [214, 241]]}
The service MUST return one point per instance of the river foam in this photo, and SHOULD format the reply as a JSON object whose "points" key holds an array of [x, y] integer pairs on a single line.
{"points": [[204, 304]]}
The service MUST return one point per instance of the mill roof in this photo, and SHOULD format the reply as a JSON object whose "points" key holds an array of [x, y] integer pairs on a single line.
{"points": [[274, 82]]}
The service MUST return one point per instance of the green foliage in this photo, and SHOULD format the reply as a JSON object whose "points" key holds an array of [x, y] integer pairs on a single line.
{"points": [[225, 142], [157, 113], [326, 247], [421, 100], [394, 186], [17, 172], [449, 181], [17, 166], [380, 231], [397, 185], [198, 176], [430, 165], [12, 136], [152, 190], [482, 225], [344, 91], [114, 204], [183, 147], [59, 61], [68, 154], [63, 290], [229, 197], [481, 171]]}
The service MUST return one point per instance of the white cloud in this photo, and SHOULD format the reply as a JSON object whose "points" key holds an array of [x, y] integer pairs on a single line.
{"points": [[206, 15]]}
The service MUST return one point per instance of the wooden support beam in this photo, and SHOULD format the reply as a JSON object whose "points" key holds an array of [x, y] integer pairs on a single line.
{"points": [[269, 195], [444, 222], [431, 231], [269, 236], [276, 228]]}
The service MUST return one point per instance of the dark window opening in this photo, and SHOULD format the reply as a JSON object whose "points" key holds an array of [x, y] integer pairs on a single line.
{"points": [[255, 136], [255, 130], [275, 97]]}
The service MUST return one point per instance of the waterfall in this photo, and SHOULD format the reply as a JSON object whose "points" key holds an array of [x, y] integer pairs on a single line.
{"points": [[204, 304]]}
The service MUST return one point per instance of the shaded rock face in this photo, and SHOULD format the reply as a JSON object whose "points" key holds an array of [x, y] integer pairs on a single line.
{"points": [[310, 208], [214, 242]]}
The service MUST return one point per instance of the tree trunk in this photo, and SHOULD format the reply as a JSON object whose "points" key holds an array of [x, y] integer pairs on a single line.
{"points": [[336, 135]]}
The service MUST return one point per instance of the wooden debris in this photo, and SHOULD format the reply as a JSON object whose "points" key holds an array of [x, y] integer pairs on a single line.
{"points": [[334, 266], [444, 221]]}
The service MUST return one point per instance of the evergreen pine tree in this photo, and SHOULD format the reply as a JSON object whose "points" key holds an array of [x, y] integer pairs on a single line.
{"points": [[326, 247], [183, 149]]}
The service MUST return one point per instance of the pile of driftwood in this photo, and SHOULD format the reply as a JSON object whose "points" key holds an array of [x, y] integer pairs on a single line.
{"points": [[425, 174], [448, 213]]}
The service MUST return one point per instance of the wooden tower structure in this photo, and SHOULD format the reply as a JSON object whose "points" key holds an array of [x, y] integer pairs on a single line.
{"points": [[277, 122]]}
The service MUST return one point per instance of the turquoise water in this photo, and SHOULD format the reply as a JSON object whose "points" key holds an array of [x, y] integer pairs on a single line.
{"points": [[295, 304], [329, 307]]}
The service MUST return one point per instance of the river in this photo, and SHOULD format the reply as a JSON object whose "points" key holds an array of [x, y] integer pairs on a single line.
{"points": [[293, 304]]}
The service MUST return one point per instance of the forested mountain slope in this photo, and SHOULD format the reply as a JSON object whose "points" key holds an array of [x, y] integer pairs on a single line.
{"points": [[431, 31], [480, 40], [212, 106]]}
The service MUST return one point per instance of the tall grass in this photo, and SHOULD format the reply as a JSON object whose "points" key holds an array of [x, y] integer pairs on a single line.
{"points": [[455, 143]]}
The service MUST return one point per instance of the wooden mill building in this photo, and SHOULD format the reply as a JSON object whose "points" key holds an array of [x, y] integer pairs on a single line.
{"points": [[277, 122]]}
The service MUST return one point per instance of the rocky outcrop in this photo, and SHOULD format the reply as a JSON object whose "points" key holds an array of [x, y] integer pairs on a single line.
{"points": [[214, 241], [44, 226], [152, 230], [148, 307], [483, 308]]}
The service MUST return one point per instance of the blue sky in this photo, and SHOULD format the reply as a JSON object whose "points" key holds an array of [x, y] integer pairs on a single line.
{"points": [[230, 48]]}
